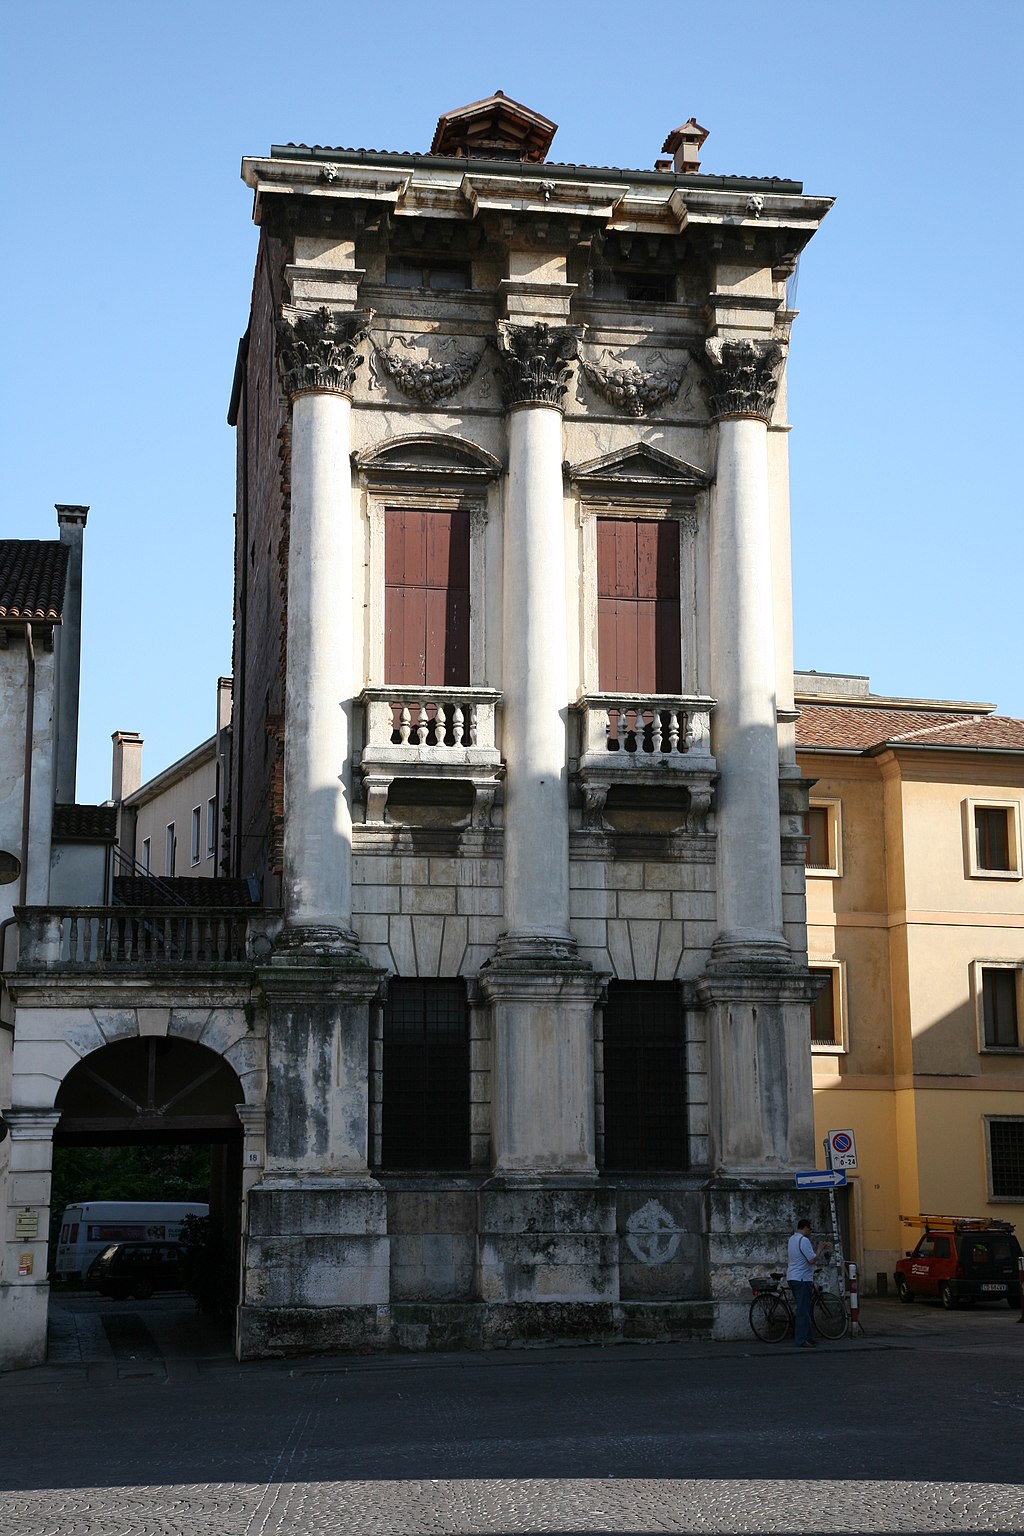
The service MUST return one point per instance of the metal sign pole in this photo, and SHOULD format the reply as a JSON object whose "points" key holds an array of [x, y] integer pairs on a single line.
{"points": [[837, 1240]]}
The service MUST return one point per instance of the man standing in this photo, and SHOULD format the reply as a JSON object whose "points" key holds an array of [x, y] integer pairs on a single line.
{"points": [[800, 1277]]}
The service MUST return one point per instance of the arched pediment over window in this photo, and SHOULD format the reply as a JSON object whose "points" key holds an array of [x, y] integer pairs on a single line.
{"points": [[428, 456]]}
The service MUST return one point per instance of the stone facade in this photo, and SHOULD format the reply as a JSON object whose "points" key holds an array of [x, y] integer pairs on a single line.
{"points": [[513, 754]]}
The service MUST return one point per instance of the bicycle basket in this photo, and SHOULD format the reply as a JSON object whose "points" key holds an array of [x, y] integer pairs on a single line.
{"points": [[759, 1285]]}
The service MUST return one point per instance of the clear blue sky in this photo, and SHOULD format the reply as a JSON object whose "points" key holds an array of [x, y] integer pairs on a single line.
{"points": [[129, 248]]}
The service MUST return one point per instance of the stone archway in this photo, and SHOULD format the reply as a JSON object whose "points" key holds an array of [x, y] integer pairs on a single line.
{"points": [[156, 1085], [138, 1098]]}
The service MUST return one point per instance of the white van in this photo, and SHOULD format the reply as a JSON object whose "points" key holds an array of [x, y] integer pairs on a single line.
{"points": [[88, 1228]]}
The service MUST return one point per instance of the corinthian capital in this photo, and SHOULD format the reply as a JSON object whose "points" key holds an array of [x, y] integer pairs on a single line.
{"points": [[741, 377], [535, 361], [320, 349]]}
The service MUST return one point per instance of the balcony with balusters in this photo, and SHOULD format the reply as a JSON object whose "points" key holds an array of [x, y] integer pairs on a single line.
{"points": [[655, 741], [142, 938], [416, 733]]}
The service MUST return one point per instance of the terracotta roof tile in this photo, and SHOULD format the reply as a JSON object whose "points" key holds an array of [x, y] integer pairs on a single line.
{"points": [[847, 728], [33, 574], [85, 823], [181, 890]]}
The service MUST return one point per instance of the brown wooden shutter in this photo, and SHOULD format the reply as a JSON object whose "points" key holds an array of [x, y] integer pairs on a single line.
{"points": [[638, 618], [426, 597]]}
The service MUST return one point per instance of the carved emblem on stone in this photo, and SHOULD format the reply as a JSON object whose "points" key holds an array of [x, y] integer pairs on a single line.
{"points": [[652, 1236], [425, 380], [535, 361], [631, 388], [741, 377], [320, 349]]}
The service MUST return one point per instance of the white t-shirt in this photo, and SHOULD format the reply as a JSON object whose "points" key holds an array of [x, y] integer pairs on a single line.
{"points": [[801, 1258]]}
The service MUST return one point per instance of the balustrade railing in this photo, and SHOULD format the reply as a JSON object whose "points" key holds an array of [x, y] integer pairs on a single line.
{"points": [[430, 723], [100, 937], [619, 729]]}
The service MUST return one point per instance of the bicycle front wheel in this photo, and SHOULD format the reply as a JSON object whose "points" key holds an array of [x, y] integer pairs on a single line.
{"points": [[769, 1317], [828, 1314]]}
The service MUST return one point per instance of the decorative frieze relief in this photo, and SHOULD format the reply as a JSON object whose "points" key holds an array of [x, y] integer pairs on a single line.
{"points": [[319, 350], [633, 389], [742, 377], [425, 380], [535, 361]]}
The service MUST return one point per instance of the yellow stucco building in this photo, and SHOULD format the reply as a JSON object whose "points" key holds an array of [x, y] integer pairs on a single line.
{"points": [[915, 913]]}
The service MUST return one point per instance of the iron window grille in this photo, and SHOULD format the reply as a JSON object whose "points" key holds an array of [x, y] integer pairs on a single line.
{"points": [[1006, 1154], [644, 1055], [424, 1092]]}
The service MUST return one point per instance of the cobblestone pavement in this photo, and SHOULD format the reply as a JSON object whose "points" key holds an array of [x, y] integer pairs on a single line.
{"points": [[916, 1427]]}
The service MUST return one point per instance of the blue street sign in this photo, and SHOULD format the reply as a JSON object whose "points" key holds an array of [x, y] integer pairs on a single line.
{"points": [[831, 1178]]}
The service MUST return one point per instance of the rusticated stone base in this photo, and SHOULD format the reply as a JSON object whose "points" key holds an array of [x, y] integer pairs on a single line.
{"points": [[268, 1332], [749, 1224]]}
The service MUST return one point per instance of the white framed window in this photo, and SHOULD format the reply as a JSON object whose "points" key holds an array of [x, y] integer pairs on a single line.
{"points": [[197, 834], [614, 620], [211, 827], [169, 847], [416, 501], [147, 854], [1004, 1156], [998, 987], [829, 1035], [992, 839], [823, 827]]}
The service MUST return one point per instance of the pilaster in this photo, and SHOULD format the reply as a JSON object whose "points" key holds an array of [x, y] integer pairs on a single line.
{"points": [[317, 1265], [24, 1288]]}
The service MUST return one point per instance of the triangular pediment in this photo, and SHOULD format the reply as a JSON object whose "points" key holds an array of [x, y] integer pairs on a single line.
{"points": [[637, 468], [433, 455]]}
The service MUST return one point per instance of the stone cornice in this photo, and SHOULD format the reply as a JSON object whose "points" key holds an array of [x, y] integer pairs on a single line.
{"points": [[535, 361], [741, 378], [318, 350]]}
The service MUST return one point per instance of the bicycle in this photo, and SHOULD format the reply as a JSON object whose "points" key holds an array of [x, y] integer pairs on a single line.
{"points": [[772, 1316]]}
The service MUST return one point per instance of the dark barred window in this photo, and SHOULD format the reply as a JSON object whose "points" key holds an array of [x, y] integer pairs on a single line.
{"points": [[1006, 1153], [425, 1076], [644, 1077]]}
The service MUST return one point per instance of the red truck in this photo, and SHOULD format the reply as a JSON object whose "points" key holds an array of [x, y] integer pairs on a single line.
{"points": [[961, 1259]]}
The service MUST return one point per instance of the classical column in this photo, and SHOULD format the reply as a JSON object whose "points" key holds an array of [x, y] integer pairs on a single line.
{"points": [[535, 363], [542, 996], [318, 354], [741, 385]]}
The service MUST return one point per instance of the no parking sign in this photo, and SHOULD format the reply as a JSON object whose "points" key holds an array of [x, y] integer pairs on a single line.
{"points": [[842, 1149]]}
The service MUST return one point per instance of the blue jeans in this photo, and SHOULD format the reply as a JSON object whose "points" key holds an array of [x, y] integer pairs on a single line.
{"points": [[803, 1292]]}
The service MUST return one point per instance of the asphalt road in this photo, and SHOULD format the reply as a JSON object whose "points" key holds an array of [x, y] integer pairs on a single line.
{"points": [[916, 1427]]}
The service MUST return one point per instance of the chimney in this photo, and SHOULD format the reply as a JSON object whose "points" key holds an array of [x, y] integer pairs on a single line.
{"points": [[224, 685], [684, 144], [126, 772], [71, 521]]}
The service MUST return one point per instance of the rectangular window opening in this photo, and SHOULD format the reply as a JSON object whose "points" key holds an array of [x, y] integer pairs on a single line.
{"points": [[825, 1015], [441, 276], [211, 827], [197, 833], [147, 855], [1006, 1158], [992, 837], [633, 287], [639, 636], [999, 1007], [426, 597], [644, 1045], [425, 1120], [169, 848]]}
